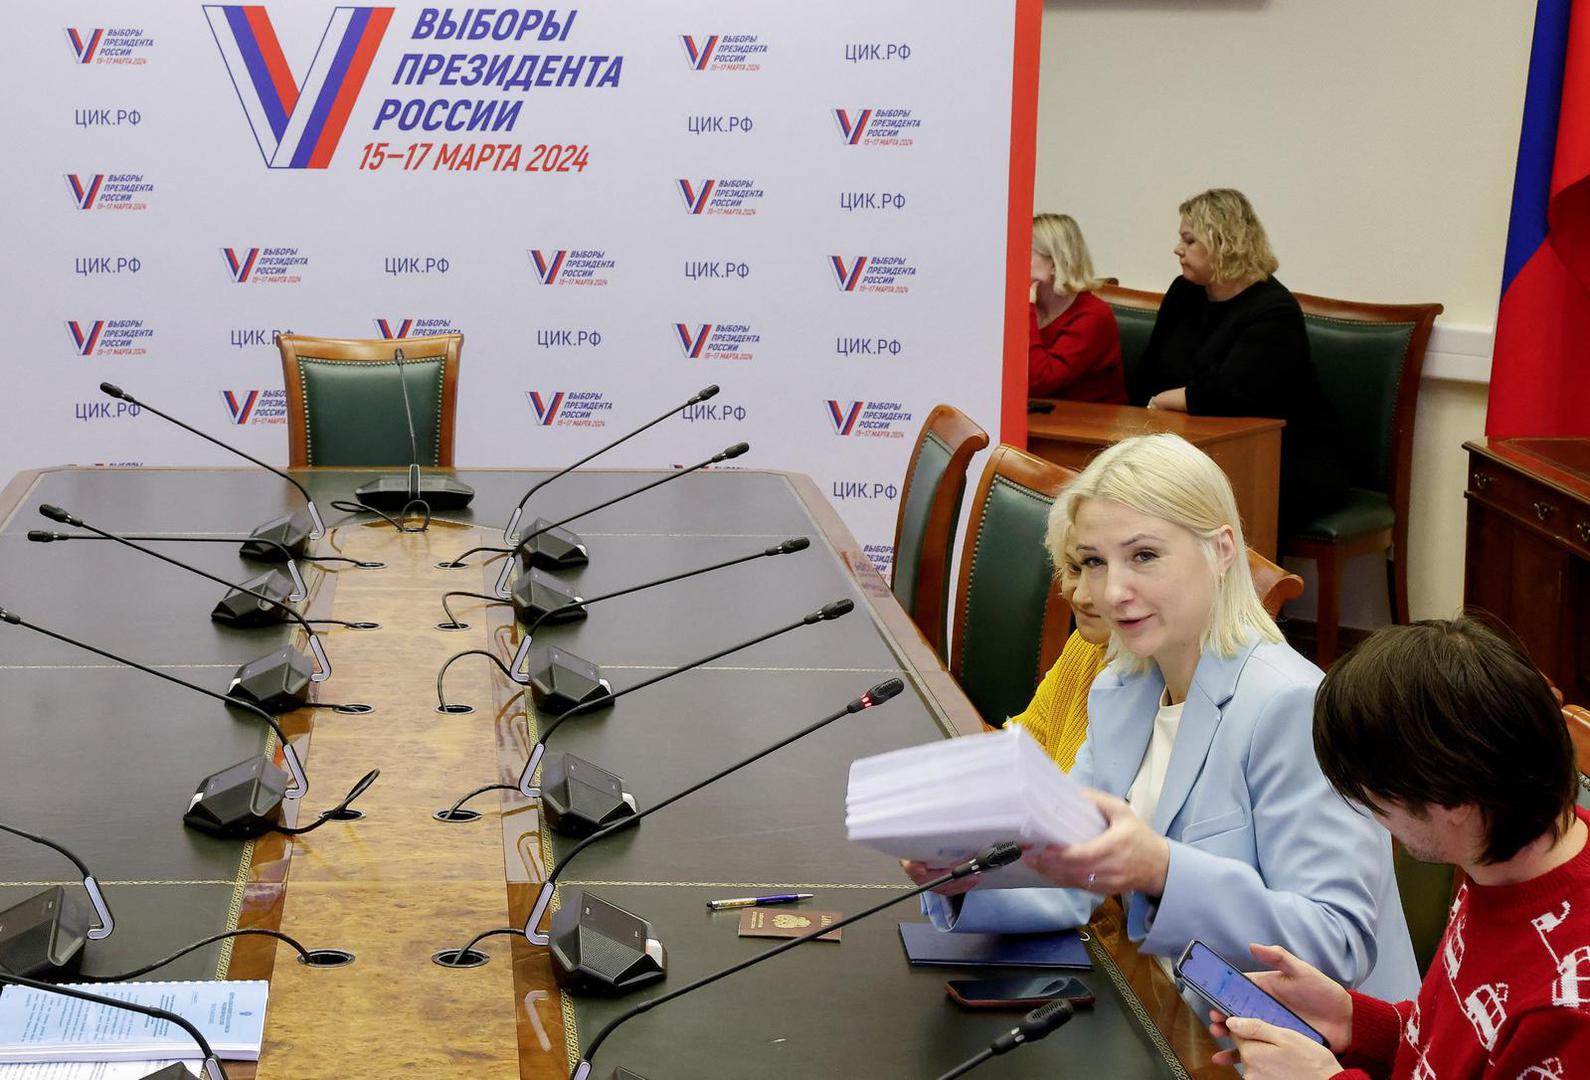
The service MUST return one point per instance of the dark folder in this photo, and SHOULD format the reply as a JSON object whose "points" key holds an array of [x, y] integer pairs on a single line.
{"points": [[926, 945]]}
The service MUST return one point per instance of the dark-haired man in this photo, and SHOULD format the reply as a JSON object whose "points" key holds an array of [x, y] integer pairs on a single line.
{"points": [[1452, 739]]}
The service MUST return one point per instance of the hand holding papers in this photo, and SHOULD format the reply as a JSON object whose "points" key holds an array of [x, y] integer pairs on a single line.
{"points": [[945, 801]]}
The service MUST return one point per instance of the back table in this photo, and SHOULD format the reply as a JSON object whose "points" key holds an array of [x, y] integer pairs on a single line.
{"points": [[104, 759]]}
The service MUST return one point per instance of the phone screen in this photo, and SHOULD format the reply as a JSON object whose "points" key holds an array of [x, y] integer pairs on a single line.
{"points": [[1233, 993], [1025, 988]]}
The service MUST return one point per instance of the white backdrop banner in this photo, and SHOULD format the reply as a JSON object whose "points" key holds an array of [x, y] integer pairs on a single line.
{"points": [[616, 203]]}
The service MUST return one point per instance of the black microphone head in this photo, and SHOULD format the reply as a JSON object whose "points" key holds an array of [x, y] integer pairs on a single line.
{"points": [[1001, 854], [43, 536], [885, 690], [113, 390], [1045, 1018], [10, 617], [836, 609], [55, 513], [704, 393], [732, 452], [790, 546]]}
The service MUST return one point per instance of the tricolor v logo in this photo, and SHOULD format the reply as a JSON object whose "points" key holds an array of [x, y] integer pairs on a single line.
{"points": [[297, 125]]}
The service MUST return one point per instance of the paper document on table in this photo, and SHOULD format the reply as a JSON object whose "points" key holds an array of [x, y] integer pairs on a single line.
{"points": [[86, 1070], [36, 1026], [944, 802]]}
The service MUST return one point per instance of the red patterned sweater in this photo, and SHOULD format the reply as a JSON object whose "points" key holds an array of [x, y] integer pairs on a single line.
{"points": [[1507, 996]]}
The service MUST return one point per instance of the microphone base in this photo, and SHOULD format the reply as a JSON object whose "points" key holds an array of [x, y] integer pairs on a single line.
{"points": [[239, 802], [578, 798], [391, 493], [278, 682], [599, 948], [177, 1071], [537, 592], [240, 609], [560, 680], [555, 549], [43, 936], [292, 532]]}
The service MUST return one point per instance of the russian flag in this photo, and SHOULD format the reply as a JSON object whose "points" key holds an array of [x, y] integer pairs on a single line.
{"points": [[1540, 377]]}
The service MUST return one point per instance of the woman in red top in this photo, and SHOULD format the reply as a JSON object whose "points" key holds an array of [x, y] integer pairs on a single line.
{"points": [[1074, 346]]}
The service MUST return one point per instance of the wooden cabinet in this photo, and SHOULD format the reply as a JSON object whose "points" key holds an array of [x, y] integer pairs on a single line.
{"points": [[1528, 557]]}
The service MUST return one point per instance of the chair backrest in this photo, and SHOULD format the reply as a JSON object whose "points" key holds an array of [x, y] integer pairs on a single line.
{"points": [[345, 403], [930, 510], [1426, 890], [1578, 720], [1135, 312], [1010, 620], [1369, 358], [1273, 583]]}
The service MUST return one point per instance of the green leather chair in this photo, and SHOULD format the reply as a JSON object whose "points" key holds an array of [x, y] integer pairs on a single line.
{"points": [[1135, 312], [930, 509], [1426, 890], [345, 404], [1010, 619], [1369, 358]]}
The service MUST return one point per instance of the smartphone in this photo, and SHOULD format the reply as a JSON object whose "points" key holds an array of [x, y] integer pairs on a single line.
{"points": [[1022, 992], [1233, 993]]}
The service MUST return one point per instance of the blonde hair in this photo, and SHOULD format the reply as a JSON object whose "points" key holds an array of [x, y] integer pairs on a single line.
{"points": [[1224, 222], [1169, 478], [1059, 538], [1057, 238]]}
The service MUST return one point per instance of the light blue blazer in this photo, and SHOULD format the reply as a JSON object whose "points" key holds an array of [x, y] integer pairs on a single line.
{"points": [[1261, 848]]}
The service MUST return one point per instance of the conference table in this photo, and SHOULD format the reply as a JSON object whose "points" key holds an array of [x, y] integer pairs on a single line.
{"points": [[1247, 449], [104, 759]]}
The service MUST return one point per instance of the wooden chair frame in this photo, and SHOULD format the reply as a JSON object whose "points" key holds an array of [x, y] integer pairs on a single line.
{"points": [[1577, 717], [965, 440], [367, 350], [1273, 583], [1330, 557], [1022, 468]]}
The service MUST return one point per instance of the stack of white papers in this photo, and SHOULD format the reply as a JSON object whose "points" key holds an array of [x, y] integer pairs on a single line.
{"points": [[947, 801], [37, 1026], [87, 1070]]}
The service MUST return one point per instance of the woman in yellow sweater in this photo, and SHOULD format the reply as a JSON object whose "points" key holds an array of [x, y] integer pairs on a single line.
{"points": [[1057, 716]]}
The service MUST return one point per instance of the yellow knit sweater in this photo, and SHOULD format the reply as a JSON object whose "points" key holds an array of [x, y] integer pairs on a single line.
{"points": [[1057, 716]]}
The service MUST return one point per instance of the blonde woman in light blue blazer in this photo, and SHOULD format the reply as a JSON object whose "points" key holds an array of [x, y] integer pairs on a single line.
{"points": [[1200, 751]]}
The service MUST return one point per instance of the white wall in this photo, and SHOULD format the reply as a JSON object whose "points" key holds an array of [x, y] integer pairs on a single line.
{"points": [[1376, 138]]}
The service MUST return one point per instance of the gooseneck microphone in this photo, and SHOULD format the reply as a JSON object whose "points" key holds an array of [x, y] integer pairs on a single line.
{"points": [[212, 1064], [244, 800], [726, 454], [827, 613], [279, 680], [46, 932], [291, 531], [595, 796], [563, 680], [414, 442], [1034, 1026], [511, 537], [268, 607], [1000, 854], [412, 489], [300, 590], [529, 790]]}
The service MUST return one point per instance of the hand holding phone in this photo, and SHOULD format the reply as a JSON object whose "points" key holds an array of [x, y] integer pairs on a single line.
{"points": [[1225, 988], [1023, 992]]}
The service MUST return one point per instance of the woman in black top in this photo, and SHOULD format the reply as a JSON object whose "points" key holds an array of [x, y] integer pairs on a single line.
{"points": [[1229, 341]]}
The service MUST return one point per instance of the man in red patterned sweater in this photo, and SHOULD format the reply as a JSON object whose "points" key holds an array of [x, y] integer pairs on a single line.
{"points": [[1453, 741]]}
